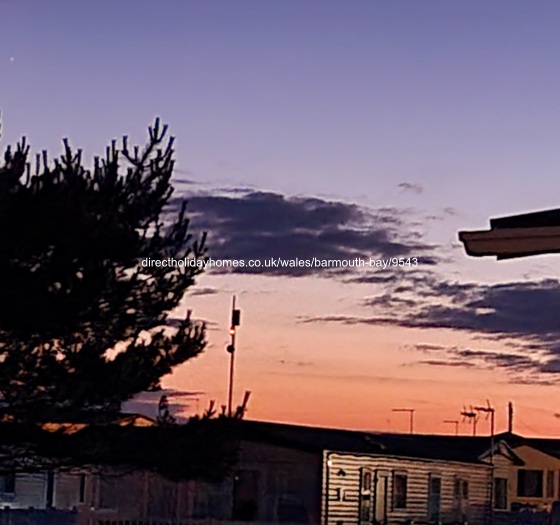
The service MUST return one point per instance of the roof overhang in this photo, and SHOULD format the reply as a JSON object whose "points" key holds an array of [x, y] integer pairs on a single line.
{"points": [[510, 243], [502, 448], [516, 236]]}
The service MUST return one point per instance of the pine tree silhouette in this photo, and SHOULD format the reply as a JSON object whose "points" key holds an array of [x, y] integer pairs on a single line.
{"points": [[72, 283]]}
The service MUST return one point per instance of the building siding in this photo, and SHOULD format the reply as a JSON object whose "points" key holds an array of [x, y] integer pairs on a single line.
{"points": [[328, 485], [534, 459], [342, 487], [148, 496], [30, 492]]}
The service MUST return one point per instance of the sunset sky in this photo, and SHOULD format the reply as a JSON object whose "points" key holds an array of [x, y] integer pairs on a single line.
{"points": [[336, 130]]}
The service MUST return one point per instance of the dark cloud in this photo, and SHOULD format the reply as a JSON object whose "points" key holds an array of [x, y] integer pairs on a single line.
{"points": [[175, 322], [522, 315], [551, 367], [389, 301], [427, 347], [296, 363], [442, 362], [263, 225], [534, 380], [248, 224], [342, 319], [381, 278], [411, 187], [198, 291], [522, 368], [183, 180], [522, 310]]}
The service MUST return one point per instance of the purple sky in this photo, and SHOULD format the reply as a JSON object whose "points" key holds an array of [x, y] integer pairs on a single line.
{"points": [[446, 112], [341, 98]]}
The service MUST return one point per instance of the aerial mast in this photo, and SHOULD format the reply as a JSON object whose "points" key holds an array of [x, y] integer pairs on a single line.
{"points": [[235, 322]]}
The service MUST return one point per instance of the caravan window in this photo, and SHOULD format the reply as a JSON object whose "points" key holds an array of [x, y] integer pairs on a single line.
{"points": [[501, 493], [7, 482], [400, 482], [290, 509], [245, 495], [530, 483], [366, 498], [366, 480], [434, 498], [109, 486], [550, 483], [82, 489], [461, 489]]}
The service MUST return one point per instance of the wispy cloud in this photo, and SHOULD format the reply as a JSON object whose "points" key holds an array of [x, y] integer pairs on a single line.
{"points": [[522, 315], [196, 292], [410, 187]]}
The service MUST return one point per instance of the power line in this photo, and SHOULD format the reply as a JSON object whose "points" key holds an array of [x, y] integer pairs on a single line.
{"points": [[531, 429]]}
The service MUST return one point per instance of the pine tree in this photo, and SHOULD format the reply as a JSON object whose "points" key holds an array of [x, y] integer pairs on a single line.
{"points": [[81, 319]]}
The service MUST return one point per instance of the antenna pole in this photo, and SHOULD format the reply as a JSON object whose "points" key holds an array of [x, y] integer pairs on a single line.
{"points": [[471, 415], [490, 411], [510, 417], [411, 416], [235, 322], [453, 422]]}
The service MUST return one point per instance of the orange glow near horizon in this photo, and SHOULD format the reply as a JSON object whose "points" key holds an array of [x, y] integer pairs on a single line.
{"points": [[345, 376]]}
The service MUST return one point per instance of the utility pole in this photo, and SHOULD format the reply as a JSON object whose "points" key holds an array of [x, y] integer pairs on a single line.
{"points": [[235, 322], [453, 422], [411, 420]]}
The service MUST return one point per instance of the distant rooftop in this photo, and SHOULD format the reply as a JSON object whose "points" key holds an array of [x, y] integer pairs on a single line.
{"points": [[316, 439]]}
